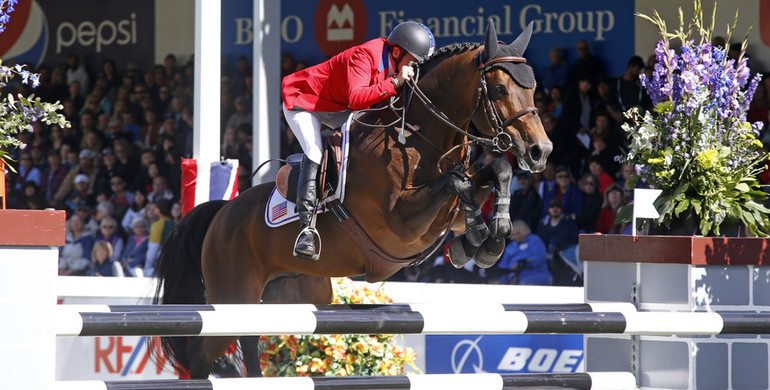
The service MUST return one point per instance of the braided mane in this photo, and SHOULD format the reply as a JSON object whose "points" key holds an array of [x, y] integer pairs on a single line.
{"points": [[443, 53]]}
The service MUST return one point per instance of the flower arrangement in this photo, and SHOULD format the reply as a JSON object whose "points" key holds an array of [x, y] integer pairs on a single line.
{"points": [[697, 146], [337, 355], [17, 113]]}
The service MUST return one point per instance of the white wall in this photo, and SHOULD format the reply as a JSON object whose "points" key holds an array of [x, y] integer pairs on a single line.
{"points": [[647, 34], [174, 29]]}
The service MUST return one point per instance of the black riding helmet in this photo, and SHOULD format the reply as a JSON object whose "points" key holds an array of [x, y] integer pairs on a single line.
{"points": [[413, 37]]}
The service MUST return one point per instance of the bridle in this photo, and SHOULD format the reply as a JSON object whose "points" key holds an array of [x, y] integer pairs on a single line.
{"points": [[499, 140]]}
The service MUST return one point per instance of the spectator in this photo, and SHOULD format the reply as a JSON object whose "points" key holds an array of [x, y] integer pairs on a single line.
{"points": [[592, 204], [242, 113], [150, 130], [559, 232], [176, 212], [525, 201], [159, 231], [108, 231], [27, 171], [77, 73], [79, 193], [135, 254], [74, 255], [136, 209], [524, 260], [557, 105], [102, 263], [160, 190], [121, 197], [123, 153], [566, 192], [586, 65], [596, 167], [75, 97], [85, 211], [613, 202], [627, 91], [52, 177], [557, 73], [111, 167], [85, 167], [545, 181]]}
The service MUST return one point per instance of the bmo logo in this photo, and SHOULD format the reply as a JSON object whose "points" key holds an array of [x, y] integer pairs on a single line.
{"points": [[339, 24]]}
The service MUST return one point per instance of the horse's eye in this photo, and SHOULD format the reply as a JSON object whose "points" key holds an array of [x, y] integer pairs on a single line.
{"points": [[498, 92]]}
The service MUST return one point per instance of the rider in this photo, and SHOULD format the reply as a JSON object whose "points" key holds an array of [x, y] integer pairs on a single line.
{"points": [[355, 79]]}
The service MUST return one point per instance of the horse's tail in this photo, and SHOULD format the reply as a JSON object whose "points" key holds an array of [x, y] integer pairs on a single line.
{"points": [[180, 280]]}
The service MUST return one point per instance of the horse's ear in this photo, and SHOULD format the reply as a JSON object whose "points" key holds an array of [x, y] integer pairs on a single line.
{"points": [[490, 42], [519, 45]]}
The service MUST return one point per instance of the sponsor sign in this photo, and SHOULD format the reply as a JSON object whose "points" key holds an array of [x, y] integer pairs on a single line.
{"points": [[46, 32], [312, 31], [452, 354]]}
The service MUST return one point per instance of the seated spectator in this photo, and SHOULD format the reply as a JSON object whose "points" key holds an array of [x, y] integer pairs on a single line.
{"points": [[160, 190], [557, 73], [592, 204], [79, 193], [596, 167], [566, 192], [557, 105], [242, 113], [108, 231], [135, 253], [27, 171], [85, 167], [121, 197], [176, 212], [102, 263], [524, 260], [74, 255], [52, 177], [525, 202], [559, 232], [613, 202], [136, 209], [159, 231]]}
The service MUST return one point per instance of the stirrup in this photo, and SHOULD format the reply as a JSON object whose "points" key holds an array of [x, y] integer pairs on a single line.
{"points": [[316, 235]]}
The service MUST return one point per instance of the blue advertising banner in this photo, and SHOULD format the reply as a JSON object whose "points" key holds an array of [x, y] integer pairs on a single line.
{"points": [[313, 30], [455, 354]]}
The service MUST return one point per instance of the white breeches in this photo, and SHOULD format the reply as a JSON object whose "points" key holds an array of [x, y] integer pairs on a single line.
{"points": [[306, 126]]}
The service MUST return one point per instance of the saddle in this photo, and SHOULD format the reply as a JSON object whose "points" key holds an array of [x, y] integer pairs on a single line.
{"points": [[287, 179]]}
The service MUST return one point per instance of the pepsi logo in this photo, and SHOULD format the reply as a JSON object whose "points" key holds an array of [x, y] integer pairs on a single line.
{"points": [[25, 39]]}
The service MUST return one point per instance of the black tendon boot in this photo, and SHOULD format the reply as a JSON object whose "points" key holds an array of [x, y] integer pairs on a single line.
{"points": [[304, 247]]}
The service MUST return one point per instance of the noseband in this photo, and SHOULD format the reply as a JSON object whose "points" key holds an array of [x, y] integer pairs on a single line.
{"points": [[501, 141]]}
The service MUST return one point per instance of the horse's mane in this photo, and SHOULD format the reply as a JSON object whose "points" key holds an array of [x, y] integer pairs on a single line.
{"points": [[443, 53]]}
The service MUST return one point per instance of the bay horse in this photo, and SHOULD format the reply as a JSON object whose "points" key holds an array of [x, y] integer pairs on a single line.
{"points": [[401, 194]]}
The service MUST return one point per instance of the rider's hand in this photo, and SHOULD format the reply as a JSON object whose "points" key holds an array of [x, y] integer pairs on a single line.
{"points": [[407, 72]]}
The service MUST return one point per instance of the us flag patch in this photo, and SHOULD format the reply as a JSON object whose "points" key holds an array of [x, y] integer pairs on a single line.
{"points": [[278, 211]]}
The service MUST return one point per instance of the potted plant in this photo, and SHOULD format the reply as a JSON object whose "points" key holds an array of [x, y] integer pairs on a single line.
{"points": [[697, 145]]}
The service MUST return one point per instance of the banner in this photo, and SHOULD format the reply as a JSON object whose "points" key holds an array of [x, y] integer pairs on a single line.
{"points": [[46, 32], [450, 354], [312, 31]]}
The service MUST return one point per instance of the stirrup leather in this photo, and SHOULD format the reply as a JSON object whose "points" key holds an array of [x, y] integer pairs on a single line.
{"points": [[316, 237]]}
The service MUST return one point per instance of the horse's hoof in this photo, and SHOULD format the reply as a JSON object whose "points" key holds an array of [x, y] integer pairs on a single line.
{"points": [[490, 252], [461, 251]]}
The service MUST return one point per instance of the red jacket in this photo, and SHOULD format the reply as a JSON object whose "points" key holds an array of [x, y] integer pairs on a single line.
{"points": [[355, 79]]}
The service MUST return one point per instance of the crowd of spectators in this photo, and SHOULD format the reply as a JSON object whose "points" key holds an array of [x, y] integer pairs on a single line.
{"points": [[116, 170]]}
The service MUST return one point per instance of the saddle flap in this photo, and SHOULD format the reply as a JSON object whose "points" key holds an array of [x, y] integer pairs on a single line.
{"points": [[287, 178]]}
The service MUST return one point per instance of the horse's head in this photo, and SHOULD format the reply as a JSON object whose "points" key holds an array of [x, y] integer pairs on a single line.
{"points": [[506, 98]]}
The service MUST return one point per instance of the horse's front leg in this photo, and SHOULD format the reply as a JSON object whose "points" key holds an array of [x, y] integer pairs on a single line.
{"points": [[501, 174], [463, 248]]}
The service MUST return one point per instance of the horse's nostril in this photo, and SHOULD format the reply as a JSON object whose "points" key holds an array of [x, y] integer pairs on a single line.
{"points": [[535, 152]]}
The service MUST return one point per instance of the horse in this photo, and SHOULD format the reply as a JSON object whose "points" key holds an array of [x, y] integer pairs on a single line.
{"points": [[403, 196]]}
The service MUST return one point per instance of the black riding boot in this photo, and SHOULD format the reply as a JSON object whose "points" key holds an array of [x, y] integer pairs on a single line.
{"points": [[304, 247]]}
